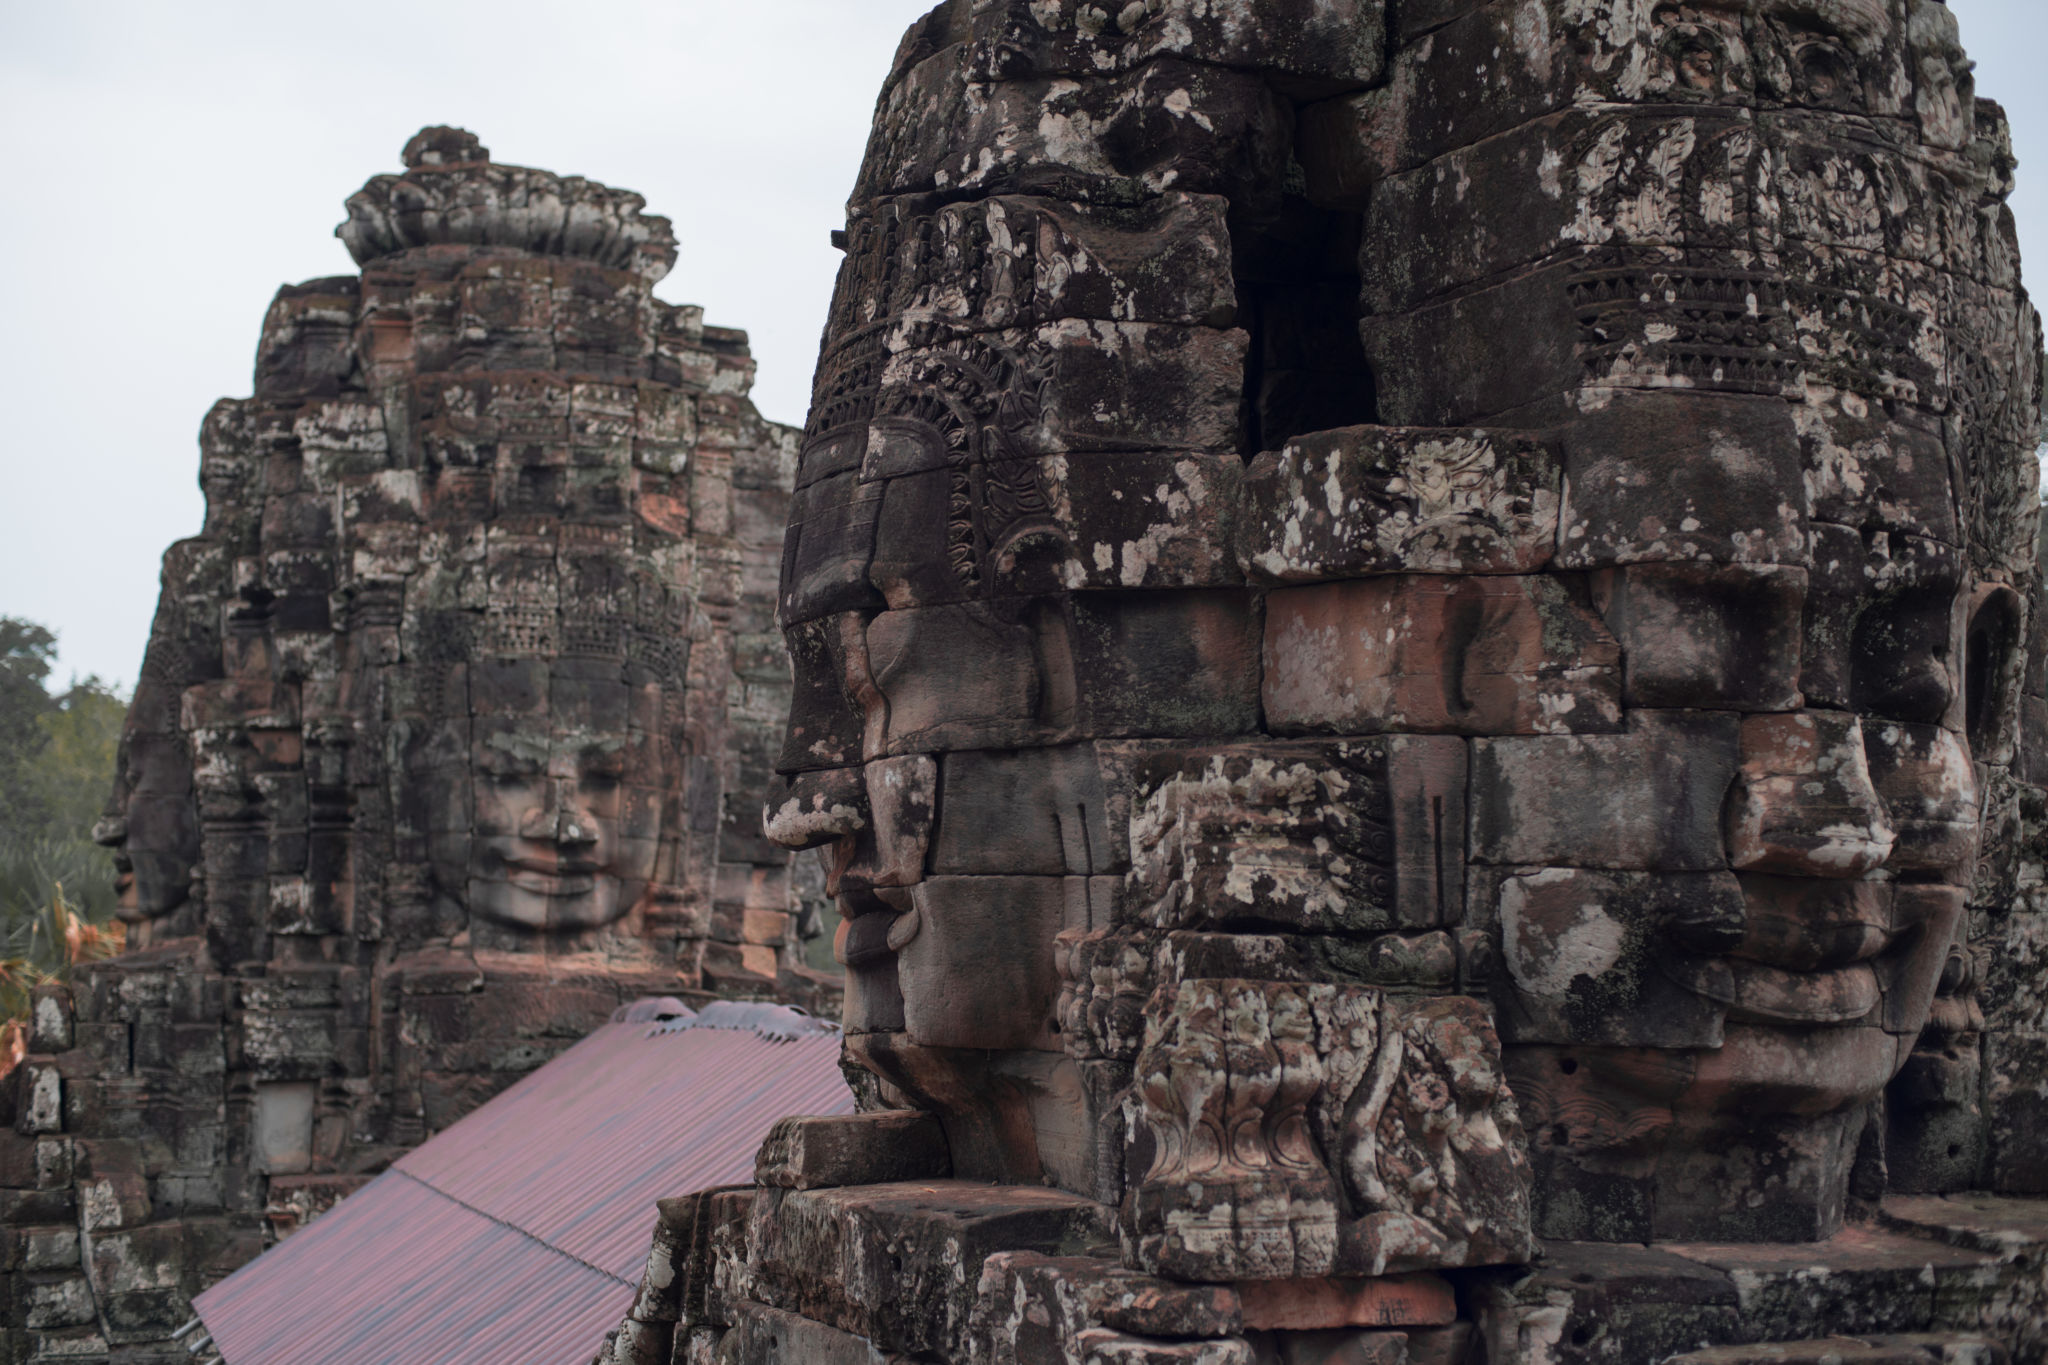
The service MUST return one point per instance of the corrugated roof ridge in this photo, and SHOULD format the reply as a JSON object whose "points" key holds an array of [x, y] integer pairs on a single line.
{"points": [[438, 1192]]}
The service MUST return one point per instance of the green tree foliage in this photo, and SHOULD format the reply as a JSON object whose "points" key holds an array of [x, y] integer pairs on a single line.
{"points": [[56, 768], [26, 650], [75, 771]]}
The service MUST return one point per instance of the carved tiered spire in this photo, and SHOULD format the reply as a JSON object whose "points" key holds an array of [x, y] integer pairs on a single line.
{"points": [[452, 193]]}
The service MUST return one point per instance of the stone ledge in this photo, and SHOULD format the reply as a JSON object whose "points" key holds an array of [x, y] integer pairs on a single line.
{"points": [[900, 1264]]}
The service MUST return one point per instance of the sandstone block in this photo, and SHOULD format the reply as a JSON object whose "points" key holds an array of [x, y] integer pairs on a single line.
{"points": [[1493, 356], [1804, 804], [900, 1264], [1649, 799], [1137, 387], [1011, 699], [826, 724], [1145, 521], [1364, 500], [1630, 1302], [1485, 656], [49, 1248], [40, 1105], [1883, 625], [1167, 261], [1295, 835], [59, 1303], [766, 1336], [1313, 1305], [1305, 46], [1033, 1307], [1871, 1269], [892, 848], [1924, 777], [2019, 1112], [831, 540], [1119, 1348], [1039, 136], [975, 959], [1716, 637], [640, 1343], [857, 1149], [1172, 663], [1027, 811], [1916, 1349], [1869, 467], [1593, 957], [1650, 479]]}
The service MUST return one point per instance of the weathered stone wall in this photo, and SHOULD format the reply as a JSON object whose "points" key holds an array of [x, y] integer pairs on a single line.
{"points": [[450, 739]]}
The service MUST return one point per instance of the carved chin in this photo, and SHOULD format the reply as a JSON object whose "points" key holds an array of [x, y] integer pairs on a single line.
{"points": [[1766, 1069], [144, 896]]}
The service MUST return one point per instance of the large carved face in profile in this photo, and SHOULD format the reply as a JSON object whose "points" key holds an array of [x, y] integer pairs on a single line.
{"points": [[1629, 630], [152, 825], [151, 820]]}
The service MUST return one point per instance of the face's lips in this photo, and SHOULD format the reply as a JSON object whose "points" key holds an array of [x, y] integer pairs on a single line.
{"points": [[554, 867], [1818, 953], [1767, 995], [1805, 924], [552, 884], [546, 871], [1754, 993]]}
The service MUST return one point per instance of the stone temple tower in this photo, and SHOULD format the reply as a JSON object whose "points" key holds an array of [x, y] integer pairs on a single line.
{"points": [[451, 737], [1418, 655]]}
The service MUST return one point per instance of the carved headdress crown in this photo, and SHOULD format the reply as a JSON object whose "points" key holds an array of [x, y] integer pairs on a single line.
{"points": [[453, 193]]}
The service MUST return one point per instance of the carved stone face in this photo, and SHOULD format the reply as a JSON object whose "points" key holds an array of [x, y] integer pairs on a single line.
{"points": [[1789, 382], [567, 820], [153, 827], [1627, 631]]}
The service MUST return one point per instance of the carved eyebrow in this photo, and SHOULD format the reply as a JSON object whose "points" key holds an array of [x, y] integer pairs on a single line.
{"points": [[598, 753], [512, 752], [501, 763]]}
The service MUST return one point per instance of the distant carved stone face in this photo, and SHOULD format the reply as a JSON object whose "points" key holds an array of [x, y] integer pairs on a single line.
{"points": [[568, 821], [155, 834]]}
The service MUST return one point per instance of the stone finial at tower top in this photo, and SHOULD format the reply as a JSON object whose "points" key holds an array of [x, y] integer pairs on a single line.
{"points": [[443, 146], [453, 194]]}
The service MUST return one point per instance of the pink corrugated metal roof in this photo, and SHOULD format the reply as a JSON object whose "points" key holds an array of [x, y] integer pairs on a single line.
{"points": [[519, 1233]]}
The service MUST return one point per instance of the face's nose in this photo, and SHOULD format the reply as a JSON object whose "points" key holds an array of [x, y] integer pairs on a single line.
{"points": [[1803, 803], [574, 824]]}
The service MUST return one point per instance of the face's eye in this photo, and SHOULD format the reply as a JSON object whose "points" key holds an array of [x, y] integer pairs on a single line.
{"points": [[1900, 661]]}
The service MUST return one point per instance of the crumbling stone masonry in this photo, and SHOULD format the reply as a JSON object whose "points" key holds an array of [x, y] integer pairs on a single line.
{"points": [[1416, 639], [451, 737]]}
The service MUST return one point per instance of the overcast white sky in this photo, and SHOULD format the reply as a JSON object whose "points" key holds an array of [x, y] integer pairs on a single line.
{"points": [[173, 164]]}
